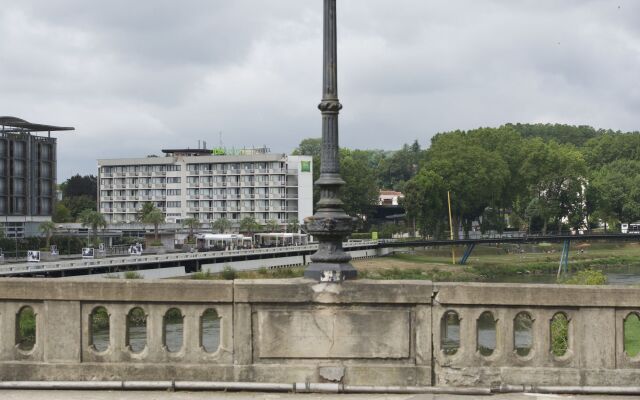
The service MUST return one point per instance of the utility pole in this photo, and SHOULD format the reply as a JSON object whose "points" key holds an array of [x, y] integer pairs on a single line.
{"points": [[330, 224]]}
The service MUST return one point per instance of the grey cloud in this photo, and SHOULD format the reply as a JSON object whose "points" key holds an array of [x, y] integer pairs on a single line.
{"points": [[138, 76]]}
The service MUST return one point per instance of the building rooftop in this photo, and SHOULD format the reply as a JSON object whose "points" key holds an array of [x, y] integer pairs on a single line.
{"points": [[13, 124]]}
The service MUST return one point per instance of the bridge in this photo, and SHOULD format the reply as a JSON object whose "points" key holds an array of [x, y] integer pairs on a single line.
{"points": [[359, 336]]}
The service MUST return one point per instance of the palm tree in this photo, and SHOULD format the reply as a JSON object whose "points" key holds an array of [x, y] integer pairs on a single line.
{"points": [[144, 211], [48, 228], [293, 226], [249, 225], [94, 219], [155, 217], [191, 223], [221, 224], [272, 226]]}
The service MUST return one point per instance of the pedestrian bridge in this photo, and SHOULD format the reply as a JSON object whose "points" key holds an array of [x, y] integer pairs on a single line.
{"points": [[377, 333]]}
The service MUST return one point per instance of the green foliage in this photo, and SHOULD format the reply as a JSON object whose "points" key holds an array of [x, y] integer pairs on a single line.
{"points": [[61, 213], [249, 225], [192, 224], [587, 277], [77, 186], [77, 205], [221, 225], [94, 220], [559, 334], [132, 275], [228, 273], [360, 193], [293, 226], [48, 228], [204, 276], [152, 215], [632, 335], [272, 226], [26, 328], [155, 243]]}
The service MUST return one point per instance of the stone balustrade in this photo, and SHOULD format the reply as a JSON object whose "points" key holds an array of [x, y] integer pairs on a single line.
{"points": [[407, 333]]}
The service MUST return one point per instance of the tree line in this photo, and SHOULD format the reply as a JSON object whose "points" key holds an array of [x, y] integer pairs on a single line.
{"points": [[536, 177]]}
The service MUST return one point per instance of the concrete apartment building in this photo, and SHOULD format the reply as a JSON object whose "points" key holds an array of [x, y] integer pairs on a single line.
{"points": [[208, 185], [27, 175]]}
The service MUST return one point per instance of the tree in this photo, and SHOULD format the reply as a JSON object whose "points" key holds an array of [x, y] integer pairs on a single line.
{"points": [[48, 228], [76, 205], [146, 209], [192, 224], [221, 225], [272, 226], [154, 217], [61, 213], [360, 193], [93, 219], [293, 225], [614, 190], [425, 202], [475, 176], [77, 186], [249, 225], [556, 176]]}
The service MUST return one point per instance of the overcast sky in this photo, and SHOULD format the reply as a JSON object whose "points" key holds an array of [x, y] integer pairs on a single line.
{"points": [[135, 77]]}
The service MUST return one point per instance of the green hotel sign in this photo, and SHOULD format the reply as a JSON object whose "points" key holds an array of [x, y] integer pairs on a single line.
{"points": [[306, 166]]}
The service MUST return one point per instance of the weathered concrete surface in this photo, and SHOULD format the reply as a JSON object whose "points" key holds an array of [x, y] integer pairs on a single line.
{"points": [[350, 292], [334, 332], [116, 290]]}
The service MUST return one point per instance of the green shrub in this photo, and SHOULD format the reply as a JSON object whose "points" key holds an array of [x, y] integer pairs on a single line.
{"points": [[132, 275], [229, 273], [587, 277], [559, 334], [206, 275], [155, 243]]}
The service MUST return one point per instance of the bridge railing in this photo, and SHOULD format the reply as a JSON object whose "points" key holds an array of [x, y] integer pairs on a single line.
{"points": [[404, 333], [535, 334]]}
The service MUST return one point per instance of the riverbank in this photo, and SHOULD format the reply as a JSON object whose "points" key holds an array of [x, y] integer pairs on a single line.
{"points": [[504, 263], [488, 263]]}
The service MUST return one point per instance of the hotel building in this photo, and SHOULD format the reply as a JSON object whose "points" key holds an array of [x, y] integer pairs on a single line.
{"points": [[208, 185]]}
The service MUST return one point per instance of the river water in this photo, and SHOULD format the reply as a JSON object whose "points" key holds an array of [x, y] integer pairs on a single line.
{"points": [[173, 337]]}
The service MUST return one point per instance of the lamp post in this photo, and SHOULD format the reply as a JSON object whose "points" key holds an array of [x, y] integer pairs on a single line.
{"points": [[330, 224]]}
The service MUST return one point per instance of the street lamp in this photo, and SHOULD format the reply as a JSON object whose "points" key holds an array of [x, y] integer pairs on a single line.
{"points": [[330, 224]]}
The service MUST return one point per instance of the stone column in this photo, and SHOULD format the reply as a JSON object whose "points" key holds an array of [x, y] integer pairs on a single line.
{"points": [[330, 225]]}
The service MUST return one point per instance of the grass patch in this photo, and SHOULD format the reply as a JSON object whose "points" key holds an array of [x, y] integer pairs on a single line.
{"points": [[632, 335]]}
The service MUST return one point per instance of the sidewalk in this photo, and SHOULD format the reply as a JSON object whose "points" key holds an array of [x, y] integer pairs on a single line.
{"points": [[131, 395]]}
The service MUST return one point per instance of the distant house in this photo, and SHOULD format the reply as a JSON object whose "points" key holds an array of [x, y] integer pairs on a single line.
{"points": [[389, 198]]}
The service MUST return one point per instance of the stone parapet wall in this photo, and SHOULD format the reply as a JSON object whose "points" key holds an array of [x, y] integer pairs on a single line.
{"points": [[411, 333]]}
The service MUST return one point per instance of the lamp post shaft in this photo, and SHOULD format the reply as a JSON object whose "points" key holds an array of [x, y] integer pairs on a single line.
{"points": [[330, 224]]}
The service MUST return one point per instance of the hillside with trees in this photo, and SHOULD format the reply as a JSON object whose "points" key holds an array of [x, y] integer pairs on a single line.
{"points": [[536, 177]]}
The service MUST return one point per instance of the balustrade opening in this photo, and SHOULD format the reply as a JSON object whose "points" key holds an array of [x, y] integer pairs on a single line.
{"points": [[26, 329], [136, 338], [100, 327], [450, 333], [559, 334], [486, 334], [632, 335], [172, 330], [523, 334], [210, 331]]}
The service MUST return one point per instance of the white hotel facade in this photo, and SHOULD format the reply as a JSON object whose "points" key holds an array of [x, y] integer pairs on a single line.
{"points": [[196, 183]]}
